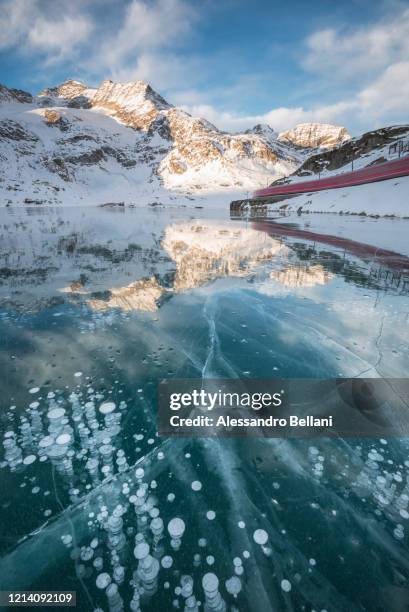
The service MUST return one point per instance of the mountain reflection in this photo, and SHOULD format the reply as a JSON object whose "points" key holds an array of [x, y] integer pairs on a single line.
{"points": [[201, 252], [132, 261], [302, 276], [140, 295]]}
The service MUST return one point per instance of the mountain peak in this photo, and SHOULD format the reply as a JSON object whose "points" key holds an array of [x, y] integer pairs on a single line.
{"points": [[68, 89], [14, 95], [263, 129], [130, 96], [315, 135]]}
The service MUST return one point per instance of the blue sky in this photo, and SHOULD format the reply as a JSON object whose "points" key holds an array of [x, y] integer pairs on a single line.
{"points": [[234, 62]]}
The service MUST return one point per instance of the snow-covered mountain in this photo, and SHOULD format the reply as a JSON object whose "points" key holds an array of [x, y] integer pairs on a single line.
{"points": [[123, 143], [315, 135]]}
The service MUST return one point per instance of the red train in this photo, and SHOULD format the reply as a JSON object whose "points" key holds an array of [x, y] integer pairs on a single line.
{"points": [[378, 172]]}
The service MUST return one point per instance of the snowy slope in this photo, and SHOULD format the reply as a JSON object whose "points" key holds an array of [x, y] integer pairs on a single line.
{"points": [[385, 198], [70, 156]]}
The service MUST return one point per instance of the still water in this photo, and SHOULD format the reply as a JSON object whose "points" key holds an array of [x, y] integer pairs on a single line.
{"points": [[96, 307]]}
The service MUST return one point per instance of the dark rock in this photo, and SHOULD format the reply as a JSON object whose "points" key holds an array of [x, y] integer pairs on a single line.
{"points": [[33, 201], [87, 159], [18, 95], [11, 130], [79, 102]]}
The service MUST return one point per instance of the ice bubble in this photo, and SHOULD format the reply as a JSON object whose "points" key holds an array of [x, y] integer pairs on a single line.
{"points": [[78, 374], [161, 455], [86, 553], [56, 413], [29, 459], [260, 536], [237, 561], [103, 580], [404, 513], [210, 582], [66, 539], [141, 550], [119, 574], [233, 586], [210, 560], [98, 563], [241, 524], [246, 554], [176, 527], [202, 542], [286, 586], [210, 515], [167, 561], [107, 407], [171, 497], [34, 390], [196, 485], [312, 562], [63, 439], [139, 473]]}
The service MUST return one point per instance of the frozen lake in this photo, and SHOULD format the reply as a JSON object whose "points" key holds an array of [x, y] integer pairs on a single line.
{"points": [[97, 306]]}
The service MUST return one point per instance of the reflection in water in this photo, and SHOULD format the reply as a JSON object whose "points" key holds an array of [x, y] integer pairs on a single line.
{"points": [[96, 502], [297, 276], [140, 295], [204, 251]]}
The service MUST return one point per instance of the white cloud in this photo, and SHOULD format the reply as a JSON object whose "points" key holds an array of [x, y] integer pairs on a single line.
{"points": [[389, 93], [30, 27], [164, 71], [360, 52], [15, 17], [278, 118], [62, 35], [146, 28]]}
